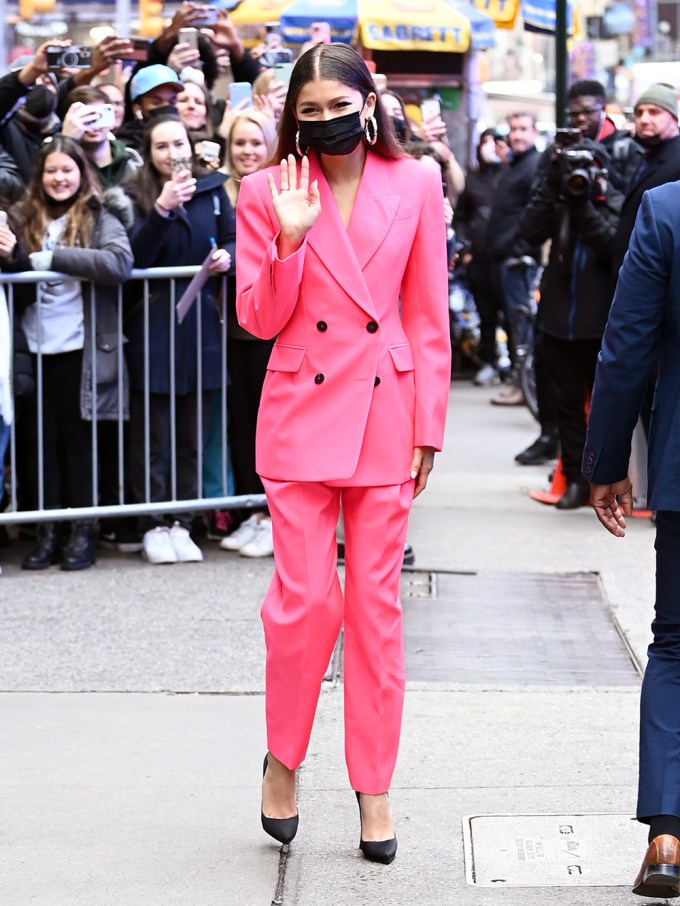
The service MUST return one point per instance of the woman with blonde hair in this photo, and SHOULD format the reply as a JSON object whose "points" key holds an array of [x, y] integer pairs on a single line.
{"points": [[250, 143]]}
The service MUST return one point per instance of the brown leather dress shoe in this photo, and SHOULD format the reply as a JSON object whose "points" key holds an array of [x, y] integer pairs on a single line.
{"points": [[660, 872]]}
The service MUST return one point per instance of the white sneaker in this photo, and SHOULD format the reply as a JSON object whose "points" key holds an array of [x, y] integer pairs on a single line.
{"points": [[157, 547], [486, 376], [243, 534], [186, 551], [262, 544]]}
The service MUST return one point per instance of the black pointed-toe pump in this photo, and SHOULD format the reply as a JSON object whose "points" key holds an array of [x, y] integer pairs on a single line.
{"points": [[281, 829], [377, 850]]}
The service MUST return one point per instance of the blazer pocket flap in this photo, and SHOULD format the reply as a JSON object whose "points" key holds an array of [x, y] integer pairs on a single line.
{"points": [[402, 356], [286, 358]]}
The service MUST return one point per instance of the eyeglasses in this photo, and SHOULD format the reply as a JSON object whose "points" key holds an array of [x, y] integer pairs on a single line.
{"points": [[583, 111]]}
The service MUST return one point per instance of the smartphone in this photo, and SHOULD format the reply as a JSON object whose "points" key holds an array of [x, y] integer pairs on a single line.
{"points": [[282, 73], [3, 219], [206, 15], [140, 50], [566, 137], [320, 32], [209, 152], [431, 109], [189, 36], [107, 118], [240, 91]]}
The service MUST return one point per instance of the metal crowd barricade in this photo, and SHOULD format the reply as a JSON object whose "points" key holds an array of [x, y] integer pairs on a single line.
{"points": [[123, 506]]}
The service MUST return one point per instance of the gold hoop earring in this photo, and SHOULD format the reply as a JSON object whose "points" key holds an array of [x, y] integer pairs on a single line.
{"points": [[299, 150], [371, 130]]}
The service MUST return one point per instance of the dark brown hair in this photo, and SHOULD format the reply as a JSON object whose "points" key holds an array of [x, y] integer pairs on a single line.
{"points": [[339, 63], [36, 206], [146, 183]]}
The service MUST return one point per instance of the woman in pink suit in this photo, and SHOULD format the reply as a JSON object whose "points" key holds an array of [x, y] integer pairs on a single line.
{"points": [[341, 254]]}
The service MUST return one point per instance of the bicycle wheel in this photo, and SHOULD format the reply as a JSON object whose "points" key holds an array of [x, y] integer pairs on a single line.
{"points": [[527, 383]]}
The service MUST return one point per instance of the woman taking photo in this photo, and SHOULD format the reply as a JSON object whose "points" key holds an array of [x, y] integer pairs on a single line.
{"points": [[64, 227], [181, 215], [342, 257], [250, 144]]}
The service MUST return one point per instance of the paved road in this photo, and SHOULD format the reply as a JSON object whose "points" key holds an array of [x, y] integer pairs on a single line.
{"points": [[132, 732]]}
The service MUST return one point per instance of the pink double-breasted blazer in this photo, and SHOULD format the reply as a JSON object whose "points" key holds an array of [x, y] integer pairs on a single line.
{"points": [[361, 368]]}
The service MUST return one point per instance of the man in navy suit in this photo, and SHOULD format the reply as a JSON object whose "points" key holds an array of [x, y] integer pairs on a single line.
{"points": [[642, 339]]}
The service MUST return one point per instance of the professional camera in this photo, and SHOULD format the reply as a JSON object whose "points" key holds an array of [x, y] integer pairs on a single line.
{"points": [[73, 57], [579, 172]]}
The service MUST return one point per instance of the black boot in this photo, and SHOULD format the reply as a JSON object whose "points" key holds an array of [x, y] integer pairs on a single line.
{"points": [[576, 495], [543, 449], [46, 552], [78, 551]]}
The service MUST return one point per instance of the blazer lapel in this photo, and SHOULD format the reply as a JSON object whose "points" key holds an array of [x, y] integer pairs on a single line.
{"points": [[345, 252], [373, 212]]}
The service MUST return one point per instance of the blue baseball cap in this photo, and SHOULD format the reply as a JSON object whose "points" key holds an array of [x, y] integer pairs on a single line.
{"points": [[151, 77]]}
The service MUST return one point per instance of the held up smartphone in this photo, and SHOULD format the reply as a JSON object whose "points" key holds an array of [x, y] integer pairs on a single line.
{"points": [[282, 73], [3, 219], [189, 36], [320, 32], [140, 50], [431, 109], [205, 16], [209, 152], [240, 91], [107, 117], [564, 138]]}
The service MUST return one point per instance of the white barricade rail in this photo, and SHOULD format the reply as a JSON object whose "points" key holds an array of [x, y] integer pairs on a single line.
{"points": [[124, 506]]}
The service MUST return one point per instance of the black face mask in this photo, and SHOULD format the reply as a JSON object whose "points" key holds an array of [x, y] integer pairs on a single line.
{"points": [[399, 128], [341, 135], [40, 102]]}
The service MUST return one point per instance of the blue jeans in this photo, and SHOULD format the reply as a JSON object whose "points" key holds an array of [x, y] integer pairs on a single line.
{"points": [[515, 282], [5, 431]]}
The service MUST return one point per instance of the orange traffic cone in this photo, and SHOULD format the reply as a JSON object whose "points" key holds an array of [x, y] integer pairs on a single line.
{"points": [[558, 485]]}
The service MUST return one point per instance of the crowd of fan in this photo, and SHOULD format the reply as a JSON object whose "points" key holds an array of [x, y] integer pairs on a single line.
{"points": [[107, 168]]}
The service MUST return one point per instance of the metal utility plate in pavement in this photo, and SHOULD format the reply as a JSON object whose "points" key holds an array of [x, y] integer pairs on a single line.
{"points": [[552, 850], [512, 628]]}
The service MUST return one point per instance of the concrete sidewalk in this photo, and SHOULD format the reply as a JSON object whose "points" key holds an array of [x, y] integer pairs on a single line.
{"points": [[121, 786]]}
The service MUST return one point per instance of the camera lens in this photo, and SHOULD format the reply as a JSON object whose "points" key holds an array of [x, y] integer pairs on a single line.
{"points": [[69, 58]]}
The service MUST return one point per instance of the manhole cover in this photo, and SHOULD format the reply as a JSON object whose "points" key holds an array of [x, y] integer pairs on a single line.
{"points": [[512, 628], [553, 850]]}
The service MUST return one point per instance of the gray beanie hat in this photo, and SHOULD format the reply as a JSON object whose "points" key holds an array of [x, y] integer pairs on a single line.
{"points": [[661, 94]]}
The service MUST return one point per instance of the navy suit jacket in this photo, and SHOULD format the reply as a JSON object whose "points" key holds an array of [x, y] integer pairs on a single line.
{"points": [[643, 331]]}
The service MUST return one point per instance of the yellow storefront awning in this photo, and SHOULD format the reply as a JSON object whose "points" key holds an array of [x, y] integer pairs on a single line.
{"points": [[503, 12], [413, 25], [257, 12]]}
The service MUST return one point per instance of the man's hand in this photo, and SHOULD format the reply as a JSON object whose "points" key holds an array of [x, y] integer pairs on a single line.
{"points": [[611, 502]]}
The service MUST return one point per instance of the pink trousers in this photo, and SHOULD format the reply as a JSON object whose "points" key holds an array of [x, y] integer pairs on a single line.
{"points": [[305, 608]]}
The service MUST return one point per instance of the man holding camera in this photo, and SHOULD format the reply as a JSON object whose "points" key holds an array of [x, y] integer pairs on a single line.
{"points": [[577, 208]]}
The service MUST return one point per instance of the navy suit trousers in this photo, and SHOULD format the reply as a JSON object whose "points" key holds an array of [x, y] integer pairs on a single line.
{"points": [[659, 786]]}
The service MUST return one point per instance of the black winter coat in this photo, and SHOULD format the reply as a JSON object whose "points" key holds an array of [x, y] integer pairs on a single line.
{"points": [[514, 189], [575, 287], [662, 165], [183, 238], [473, 209]]}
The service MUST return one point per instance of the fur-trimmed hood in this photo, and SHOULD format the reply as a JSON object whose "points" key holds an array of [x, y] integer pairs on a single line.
{"points": [[116, 202]]}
